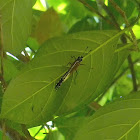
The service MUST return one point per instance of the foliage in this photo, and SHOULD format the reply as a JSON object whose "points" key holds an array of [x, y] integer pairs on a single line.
{"points": [[41, 41]]}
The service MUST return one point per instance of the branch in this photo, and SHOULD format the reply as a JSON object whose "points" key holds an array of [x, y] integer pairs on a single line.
{"points": [[122, 13], [131, 66], [23, 58], [94, 106], [94, 11], [3, 130], [2, 63], [113, 19], [26, 132], [12, 133]]}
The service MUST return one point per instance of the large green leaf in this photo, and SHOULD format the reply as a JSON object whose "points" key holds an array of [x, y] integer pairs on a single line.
{"points": [[31, 97], [116, 121], [16, 23]]}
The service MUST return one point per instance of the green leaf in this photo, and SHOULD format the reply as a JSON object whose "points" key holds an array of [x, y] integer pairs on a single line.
{"points": [[10, 70], [85, 24], [31, 98], [33, 44], [116, 121], [39, 6], [16, 19], [69, 126]]}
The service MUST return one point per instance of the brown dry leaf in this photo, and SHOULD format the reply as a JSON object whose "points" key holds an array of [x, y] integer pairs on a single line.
{"points": [[49, 26]]}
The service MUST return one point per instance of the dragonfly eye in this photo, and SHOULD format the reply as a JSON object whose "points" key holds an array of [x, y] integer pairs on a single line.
{"points": [[80, 58]]}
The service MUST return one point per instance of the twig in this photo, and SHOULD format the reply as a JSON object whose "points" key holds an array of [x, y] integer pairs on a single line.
{"points": [[110, 15], [131, 66], [123, 38], [26, 132], [3, 130], [126, 21], [94, 11], [94, 106], [23, 58], [14, 135], [2, 63]]}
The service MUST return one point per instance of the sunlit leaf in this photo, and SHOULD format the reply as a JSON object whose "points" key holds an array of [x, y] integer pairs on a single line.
{"points": [[16, 24], [117, 121], [31, 98], [136, 30], [39, 6]]}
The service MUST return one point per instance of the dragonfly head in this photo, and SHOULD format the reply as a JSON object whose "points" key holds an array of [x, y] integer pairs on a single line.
{"points": [[80, 58], [59, 83]]}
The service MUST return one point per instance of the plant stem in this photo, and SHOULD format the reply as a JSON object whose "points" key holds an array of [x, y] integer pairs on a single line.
{"points": [[2, 63], [14, 135], [3, 83], [122, 13], [94, 106], [26, 132], [113, 19], [131, 66], [94, 11], [124, 40], [3, 130]]}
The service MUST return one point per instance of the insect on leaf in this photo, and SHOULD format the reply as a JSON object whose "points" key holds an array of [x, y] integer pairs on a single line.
{"points": [[32, 94]]}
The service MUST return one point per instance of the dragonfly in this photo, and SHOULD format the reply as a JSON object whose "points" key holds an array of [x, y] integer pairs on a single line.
{"points": [[70, 71]]}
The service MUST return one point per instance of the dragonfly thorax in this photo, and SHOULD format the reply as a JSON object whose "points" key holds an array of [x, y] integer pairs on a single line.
{"points": [[80, 58]]}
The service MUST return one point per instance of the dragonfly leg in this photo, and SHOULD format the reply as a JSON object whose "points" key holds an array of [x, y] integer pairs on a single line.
{"points": [[69, 63], [73, 57]]}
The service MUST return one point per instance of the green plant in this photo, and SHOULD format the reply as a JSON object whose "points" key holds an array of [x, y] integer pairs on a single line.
{"points": [[100, 100]]}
